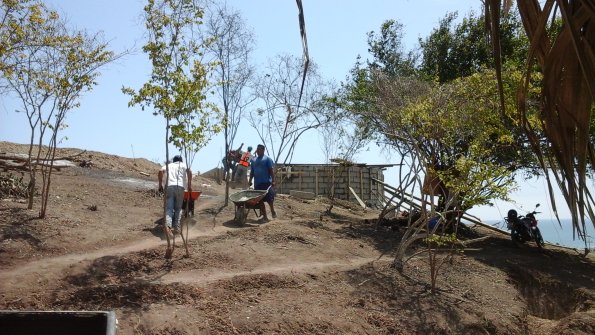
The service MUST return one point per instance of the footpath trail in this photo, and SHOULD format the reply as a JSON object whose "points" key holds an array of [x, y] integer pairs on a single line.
{"points": [[53, 268], [204, 277]]}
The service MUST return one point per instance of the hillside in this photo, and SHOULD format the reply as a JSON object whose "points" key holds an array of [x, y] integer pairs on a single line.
{"points": [[101, 248]]}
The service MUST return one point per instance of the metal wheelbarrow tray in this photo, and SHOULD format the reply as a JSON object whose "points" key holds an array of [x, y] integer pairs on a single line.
{"points": [[188, 205], [195, 195]]}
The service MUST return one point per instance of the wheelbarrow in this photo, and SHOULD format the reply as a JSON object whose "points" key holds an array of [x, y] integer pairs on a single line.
{"points": [[245, 201], [192, 197]]}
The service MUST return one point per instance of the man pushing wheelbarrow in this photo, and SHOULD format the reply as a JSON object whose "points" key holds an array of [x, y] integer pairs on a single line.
{"points": [[178, 194], [261, 170], [178, 177], [245, 201]]}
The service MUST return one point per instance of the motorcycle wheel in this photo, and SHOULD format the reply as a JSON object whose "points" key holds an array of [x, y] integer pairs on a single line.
{"points": [[538, 238], [516, 237]]}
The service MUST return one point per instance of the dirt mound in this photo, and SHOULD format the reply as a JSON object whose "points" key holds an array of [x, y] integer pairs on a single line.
{"points": [[101, 248], [91, 159]]}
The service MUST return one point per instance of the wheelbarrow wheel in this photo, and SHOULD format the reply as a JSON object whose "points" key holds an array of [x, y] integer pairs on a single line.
{"points": [[240, 217], [244, 215]]}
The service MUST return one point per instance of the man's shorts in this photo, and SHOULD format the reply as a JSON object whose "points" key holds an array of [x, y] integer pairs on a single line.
{"points": [[263, 186]]}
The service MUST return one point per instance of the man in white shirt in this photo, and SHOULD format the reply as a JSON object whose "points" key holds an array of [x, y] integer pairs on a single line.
{"points": [[179, 179]]}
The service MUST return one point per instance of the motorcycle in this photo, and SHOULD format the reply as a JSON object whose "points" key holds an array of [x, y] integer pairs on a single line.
{"points": [[524, 228]]}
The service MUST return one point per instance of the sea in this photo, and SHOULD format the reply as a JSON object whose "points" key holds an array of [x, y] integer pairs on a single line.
{"points": [[560, 233]]}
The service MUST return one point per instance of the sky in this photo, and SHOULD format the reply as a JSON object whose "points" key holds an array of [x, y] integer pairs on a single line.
{"points": [[336, 32]]}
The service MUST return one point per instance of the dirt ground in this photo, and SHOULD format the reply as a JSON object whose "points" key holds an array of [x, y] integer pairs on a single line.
{"points": [[101, 248]]}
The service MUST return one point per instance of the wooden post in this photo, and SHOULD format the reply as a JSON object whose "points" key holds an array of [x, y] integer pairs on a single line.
{"points": [[361, 203], [316, 181], [333, 189], [370, 186], [348, 183], [361, 182]]}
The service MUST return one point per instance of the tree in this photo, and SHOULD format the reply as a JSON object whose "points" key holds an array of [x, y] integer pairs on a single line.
{"points": [[231, 47], [448, 53], [281, 121], [340, 139], [458, 137], [48, 67], [389, 56], [359, 95], [455, 50], [453, 133], [13, 36], [458, 50], [178, 84]]}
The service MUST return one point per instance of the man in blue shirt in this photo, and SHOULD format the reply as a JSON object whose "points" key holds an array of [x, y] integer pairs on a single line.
{"points": [[261, 169]]}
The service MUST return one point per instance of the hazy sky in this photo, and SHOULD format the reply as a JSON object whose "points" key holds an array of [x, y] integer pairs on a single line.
{"points": [[336, 32]]}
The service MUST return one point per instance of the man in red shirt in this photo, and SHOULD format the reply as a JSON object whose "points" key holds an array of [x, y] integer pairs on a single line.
{"points": [[242, 168]]}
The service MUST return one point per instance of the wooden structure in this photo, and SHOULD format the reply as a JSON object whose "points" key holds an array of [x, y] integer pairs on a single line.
{"points": [[341, 181]]}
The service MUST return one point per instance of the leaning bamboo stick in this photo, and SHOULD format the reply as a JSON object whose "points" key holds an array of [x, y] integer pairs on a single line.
{"points": [[394, 191]]}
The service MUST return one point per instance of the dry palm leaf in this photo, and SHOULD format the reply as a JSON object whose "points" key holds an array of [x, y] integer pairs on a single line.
{"points": [[567, 98], [302, 22]]}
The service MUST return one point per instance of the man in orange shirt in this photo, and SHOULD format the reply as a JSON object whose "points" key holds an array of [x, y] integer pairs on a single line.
{"points": [[242, 168]]}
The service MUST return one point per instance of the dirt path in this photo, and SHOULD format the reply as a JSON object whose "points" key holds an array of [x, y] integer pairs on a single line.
{"points": [[52, 268], [205, 277]]}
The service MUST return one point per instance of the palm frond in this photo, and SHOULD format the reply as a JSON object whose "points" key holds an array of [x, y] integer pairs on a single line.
{"points": [[567, 62]]}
